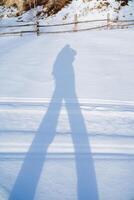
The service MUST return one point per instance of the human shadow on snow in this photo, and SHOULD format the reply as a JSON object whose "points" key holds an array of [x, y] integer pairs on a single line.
{"points": [[28, 177]]}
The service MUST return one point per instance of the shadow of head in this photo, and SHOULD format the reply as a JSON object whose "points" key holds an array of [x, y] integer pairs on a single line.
{"points": [[63, 70]]}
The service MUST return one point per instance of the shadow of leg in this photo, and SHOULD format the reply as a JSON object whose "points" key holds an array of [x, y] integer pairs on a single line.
{"points": [[86, 184], [28, 177]]}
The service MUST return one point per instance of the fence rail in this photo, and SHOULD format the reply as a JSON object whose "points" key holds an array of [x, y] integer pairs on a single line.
{"points": [[37, 27]]}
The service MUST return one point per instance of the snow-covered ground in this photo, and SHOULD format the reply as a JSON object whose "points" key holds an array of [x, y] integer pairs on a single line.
{"points": [[103, 63], [67, 107], [83, 147]]}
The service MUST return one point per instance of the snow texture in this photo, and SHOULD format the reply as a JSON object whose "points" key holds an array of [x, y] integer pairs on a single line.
{"points": [[67, 116]]}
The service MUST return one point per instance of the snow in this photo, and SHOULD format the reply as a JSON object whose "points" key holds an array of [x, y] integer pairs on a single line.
{"points": [[96, 102], [67, 110], [104, 58]]}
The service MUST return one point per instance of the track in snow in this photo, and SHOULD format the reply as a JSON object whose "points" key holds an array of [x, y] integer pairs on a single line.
{"points": [[109, 127]]}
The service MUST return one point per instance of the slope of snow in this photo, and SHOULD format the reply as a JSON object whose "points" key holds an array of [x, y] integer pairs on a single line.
{"points": [[87, 10]]}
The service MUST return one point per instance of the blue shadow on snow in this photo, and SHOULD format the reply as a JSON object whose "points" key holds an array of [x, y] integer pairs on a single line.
{"points": [[28, 177]]}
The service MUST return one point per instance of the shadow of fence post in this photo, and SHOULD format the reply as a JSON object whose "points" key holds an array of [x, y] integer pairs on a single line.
{"points": [[37, 28]]}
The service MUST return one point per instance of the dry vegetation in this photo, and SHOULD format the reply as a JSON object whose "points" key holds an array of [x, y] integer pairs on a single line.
{"points": [[50, 7]]}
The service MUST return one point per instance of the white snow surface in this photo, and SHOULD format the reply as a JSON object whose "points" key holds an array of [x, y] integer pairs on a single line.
{"points": [[103, 65], [103, 78]]}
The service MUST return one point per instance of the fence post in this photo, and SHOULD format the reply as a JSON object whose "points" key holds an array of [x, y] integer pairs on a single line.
{"points": [[37, 28], [75, 23], [108, 20]]}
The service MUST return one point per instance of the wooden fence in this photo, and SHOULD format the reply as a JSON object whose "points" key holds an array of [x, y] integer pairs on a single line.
{"points": [[39, 29]]}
